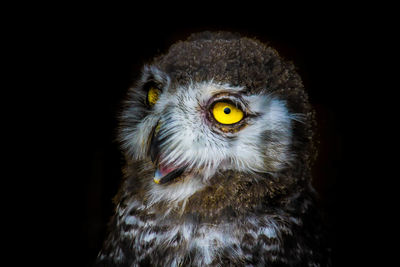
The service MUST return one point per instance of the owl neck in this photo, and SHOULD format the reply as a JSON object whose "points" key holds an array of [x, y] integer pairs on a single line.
{"points": [[238, 194], [232, 195]]}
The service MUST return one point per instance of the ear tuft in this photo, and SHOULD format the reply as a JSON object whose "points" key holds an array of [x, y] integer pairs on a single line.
{"points": [[154, 74]]}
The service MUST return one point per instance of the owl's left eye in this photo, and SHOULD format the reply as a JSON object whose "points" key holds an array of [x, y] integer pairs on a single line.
{"points": [[152, 96], [227, 113]]}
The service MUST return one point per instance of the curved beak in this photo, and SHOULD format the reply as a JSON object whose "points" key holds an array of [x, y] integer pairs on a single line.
{"points": [[163, 174]]}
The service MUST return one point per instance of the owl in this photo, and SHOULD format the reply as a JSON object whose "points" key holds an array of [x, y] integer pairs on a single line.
{"points": [[217, 136]]}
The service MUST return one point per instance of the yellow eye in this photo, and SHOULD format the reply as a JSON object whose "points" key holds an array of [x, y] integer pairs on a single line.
{"points": [[152, 95], [226, 113]]}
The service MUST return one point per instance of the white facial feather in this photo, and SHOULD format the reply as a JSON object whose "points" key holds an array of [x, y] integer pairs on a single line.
{"points": [[250, 150], [190, 140]]}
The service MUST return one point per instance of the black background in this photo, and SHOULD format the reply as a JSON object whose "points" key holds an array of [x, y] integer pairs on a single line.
{"points": [[84, 60]]}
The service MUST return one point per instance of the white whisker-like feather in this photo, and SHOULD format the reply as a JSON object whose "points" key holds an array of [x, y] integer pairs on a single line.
{"points": [[187, 138]]}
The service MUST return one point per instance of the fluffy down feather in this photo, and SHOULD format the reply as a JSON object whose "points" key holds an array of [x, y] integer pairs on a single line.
{"points": [[245, 196]]}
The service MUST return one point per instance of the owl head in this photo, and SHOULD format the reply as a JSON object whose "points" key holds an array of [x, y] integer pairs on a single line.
{"points": [[216, 102]]}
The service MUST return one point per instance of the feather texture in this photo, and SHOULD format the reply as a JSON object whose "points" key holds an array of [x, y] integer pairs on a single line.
{"points": [[244, 195]]}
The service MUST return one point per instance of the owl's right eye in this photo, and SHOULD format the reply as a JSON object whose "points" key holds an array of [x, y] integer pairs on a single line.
{"points": [[227, 113], [152, 96]]}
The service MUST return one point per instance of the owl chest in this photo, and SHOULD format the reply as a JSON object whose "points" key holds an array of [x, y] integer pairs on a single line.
{"points": [[202, 244], [176, 244]]}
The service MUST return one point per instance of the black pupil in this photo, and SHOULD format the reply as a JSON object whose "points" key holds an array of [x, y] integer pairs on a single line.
{"points": [[227, 110]]}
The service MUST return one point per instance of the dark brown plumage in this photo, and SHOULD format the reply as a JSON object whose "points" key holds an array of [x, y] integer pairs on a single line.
{"points": [[223, 210]]}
